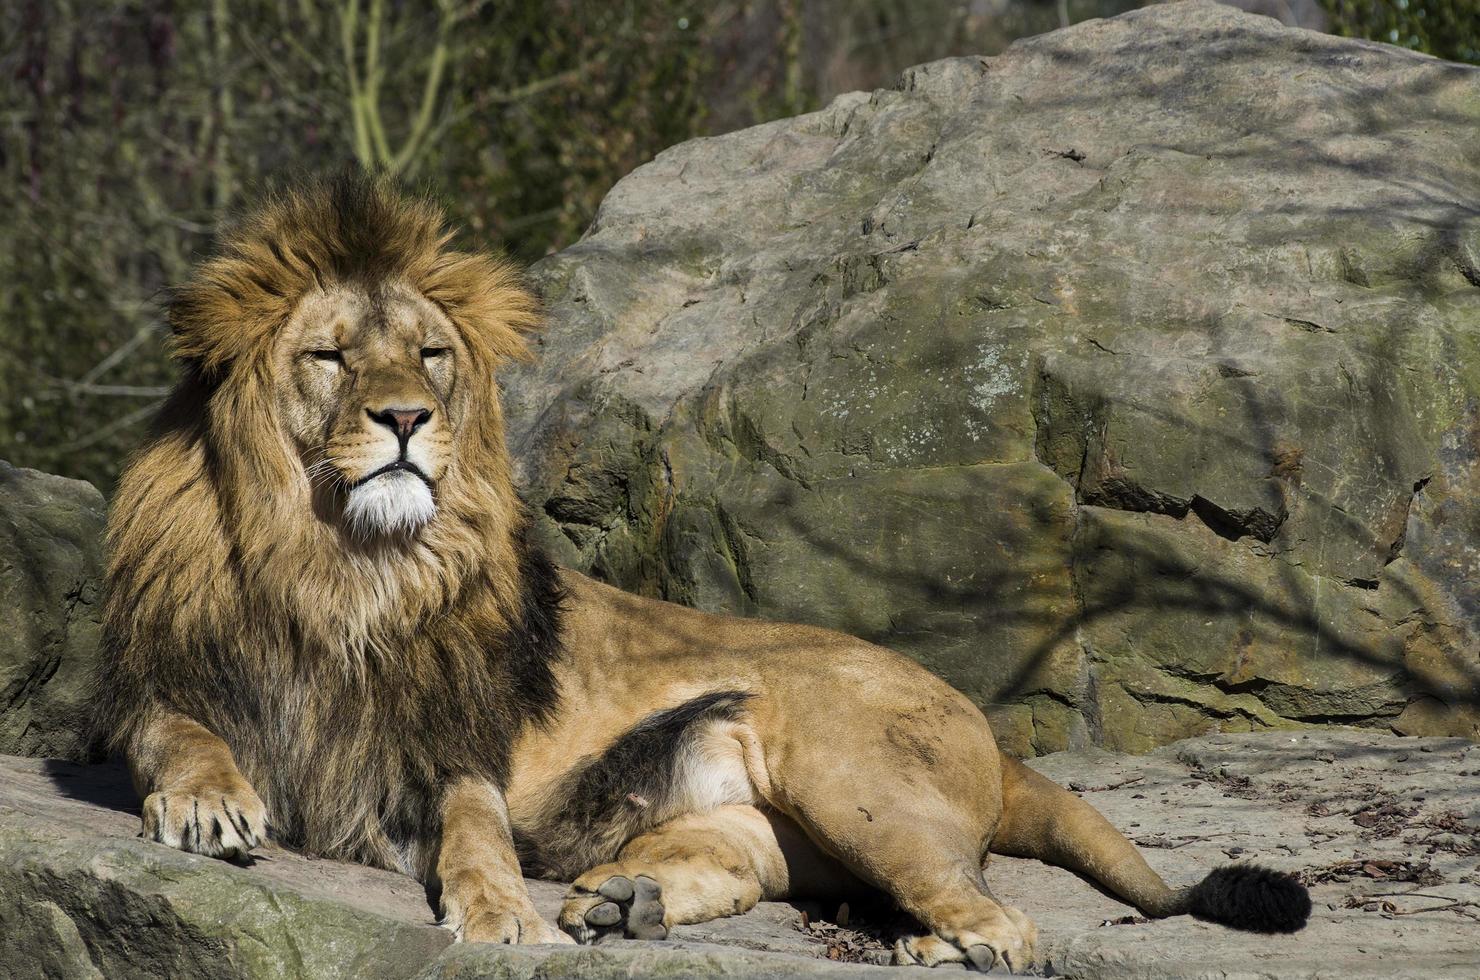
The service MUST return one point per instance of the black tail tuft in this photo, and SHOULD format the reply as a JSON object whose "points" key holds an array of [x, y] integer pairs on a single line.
{"points": [[1245, 896]]}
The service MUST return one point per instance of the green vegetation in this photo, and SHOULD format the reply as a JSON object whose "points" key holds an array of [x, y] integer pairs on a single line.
{"points": [[1444, 28]]}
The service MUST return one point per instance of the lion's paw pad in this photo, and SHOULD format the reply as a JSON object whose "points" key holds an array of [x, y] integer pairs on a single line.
{"points": [[620, 906]]}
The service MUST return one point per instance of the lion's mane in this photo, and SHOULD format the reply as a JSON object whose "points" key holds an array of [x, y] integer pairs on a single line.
{"points": [[350, 680]]}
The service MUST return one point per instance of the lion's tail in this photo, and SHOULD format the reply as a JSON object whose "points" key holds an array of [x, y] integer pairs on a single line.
{"points": [[1042, 820]]}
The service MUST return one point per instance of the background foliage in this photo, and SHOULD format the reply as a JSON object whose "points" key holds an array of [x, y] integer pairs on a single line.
{"points": [[1446, 28], [130, 128]]}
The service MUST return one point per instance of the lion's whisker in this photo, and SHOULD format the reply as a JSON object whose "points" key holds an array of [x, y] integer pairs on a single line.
{"points": [[324, 474]]}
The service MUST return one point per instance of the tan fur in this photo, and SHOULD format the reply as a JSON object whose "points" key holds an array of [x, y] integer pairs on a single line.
{"points": [[233, 578], [483, 895]]}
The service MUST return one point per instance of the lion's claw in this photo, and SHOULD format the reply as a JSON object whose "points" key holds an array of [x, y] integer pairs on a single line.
{"points": [[476, 910], [225, 821]]}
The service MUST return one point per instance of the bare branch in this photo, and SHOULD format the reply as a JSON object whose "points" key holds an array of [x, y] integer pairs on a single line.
{"points": [[119, 353], [225, 105], [370, 105], [509, 96], [117, 391], [349, 17], [411, 149], [98, 435]]}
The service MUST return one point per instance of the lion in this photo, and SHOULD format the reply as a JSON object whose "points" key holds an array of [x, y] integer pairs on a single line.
{"points": [[325, 608]]}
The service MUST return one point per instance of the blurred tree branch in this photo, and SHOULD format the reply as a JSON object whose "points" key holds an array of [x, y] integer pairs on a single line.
{"points": [[372, 147]]}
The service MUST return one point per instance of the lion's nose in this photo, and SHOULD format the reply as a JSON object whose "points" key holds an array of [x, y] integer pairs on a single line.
{"points": [[402, 421]]}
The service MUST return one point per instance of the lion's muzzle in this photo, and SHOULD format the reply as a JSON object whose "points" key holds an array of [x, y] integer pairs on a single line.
{"points": [[394, 499]]}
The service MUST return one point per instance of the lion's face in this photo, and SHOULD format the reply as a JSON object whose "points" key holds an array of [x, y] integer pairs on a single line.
{"points": [[367, 390]]}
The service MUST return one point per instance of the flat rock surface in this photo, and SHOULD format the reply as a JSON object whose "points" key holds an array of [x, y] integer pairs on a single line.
{"points": [[1386, 829]]}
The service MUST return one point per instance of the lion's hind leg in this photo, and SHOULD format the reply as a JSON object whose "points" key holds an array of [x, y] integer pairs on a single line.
{"points": [[925, 848], [693, 868], [912, 817]]}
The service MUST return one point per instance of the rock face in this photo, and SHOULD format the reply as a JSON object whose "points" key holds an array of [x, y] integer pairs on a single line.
{"points": [[1130, 380], [1363, 816], [50, 571]]}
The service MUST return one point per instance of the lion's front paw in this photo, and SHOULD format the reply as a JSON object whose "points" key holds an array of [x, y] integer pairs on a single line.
{"points": [[475, 915], [224, 819]]}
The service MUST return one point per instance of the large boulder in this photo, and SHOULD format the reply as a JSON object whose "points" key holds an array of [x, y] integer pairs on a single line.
{"points": [[1129, 380], [1384, 828], [50, 573]]}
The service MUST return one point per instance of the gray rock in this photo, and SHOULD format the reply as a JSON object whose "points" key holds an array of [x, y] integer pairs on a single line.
{"points": [[1370, 818], [82, 896], [50, 572], [72, 870], [1352, 811], [1130, 380]]}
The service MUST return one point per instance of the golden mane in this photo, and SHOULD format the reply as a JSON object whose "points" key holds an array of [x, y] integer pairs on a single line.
{"points": [[217, 563]]}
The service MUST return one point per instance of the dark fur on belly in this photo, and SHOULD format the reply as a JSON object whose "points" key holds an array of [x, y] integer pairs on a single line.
{"points": [[639, 781]]}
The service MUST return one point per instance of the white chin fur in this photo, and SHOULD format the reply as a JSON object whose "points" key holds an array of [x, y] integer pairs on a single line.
{"points": [[396, 501]]}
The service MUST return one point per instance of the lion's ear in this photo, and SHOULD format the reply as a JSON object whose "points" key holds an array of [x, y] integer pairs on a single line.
{"points": [[234, 301], [486, 297], [356, 228]]}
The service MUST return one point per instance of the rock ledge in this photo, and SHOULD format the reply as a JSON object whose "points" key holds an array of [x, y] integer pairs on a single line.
{"points": [[1385, 827]]}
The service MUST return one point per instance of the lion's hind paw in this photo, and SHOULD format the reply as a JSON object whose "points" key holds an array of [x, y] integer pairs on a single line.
{"points": [[619, 905], [1003, 950]]}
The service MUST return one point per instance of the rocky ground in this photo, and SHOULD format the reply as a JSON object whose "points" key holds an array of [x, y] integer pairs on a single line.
{"points": [[1385, 829]]}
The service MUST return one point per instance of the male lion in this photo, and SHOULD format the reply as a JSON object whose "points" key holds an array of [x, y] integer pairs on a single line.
{"points": [[324, 607]]}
